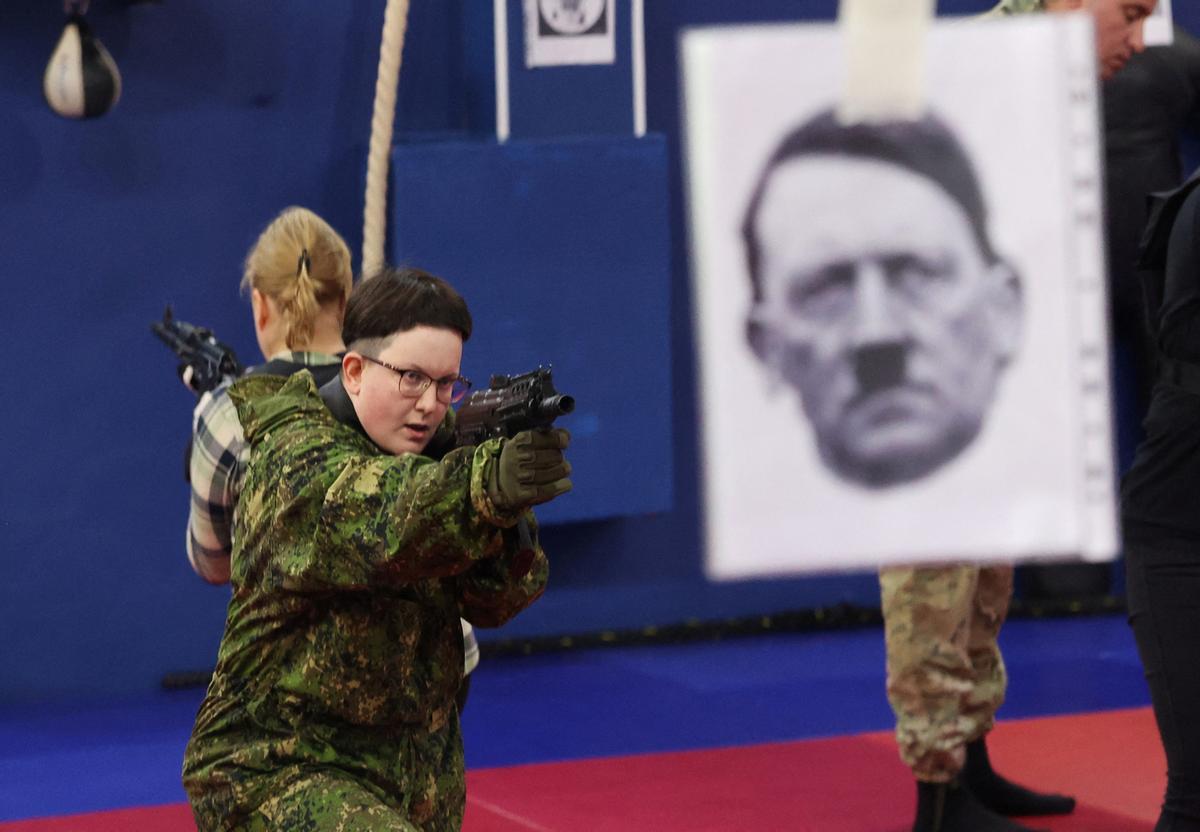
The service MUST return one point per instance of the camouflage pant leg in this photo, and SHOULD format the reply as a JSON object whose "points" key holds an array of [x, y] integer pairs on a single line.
{"points": [[326, 802], [945, 676], [988, 613]]}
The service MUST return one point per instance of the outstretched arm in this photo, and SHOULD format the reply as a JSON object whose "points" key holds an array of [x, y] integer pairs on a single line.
{"points": [[493, 591]]}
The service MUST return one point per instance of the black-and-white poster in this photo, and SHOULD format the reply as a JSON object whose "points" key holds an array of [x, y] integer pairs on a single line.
{"points": [[900, 323], [566, 32]]}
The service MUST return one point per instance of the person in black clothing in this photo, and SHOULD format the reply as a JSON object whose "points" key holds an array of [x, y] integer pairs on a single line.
{"points": [[1161, 519], [1148, 106]]}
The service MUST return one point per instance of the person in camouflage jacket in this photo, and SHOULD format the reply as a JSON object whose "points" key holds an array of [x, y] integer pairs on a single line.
{"points": [[360, 540]]}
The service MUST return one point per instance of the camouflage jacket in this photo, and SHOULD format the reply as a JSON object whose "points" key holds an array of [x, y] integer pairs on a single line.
{"points": [[342, 649], [1007, 7]]}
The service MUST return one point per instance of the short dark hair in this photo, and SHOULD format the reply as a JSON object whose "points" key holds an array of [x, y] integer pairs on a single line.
{"points": [[397, 299], [925, 146]]}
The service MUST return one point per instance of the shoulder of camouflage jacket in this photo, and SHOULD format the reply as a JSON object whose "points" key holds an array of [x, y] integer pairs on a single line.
{"points": [[264, 401]]}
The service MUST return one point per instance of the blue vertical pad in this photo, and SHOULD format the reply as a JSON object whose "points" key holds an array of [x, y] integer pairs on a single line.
{"points": [[588, 99]]}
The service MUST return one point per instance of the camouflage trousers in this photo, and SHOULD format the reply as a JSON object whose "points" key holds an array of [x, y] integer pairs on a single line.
{"points": [[945, 675], [324, 802]]}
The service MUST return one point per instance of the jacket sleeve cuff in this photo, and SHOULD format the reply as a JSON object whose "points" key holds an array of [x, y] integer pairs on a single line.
{"points": [[483, 469]]}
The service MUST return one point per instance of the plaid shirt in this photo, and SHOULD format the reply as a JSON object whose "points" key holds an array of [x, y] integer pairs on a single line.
{"points": [[219, 454]]}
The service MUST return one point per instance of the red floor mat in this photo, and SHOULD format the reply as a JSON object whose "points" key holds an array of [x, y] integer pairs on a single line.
{"points": [[176, 817], [1110, 761]]}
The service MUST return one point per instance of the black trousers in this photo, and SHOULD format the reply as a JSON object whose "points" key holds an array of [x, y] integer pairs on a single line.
{"points": [[1163, 593]]}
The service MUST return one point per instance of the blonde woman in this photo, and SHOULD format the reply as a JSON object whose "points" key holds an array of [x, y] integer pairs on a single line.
{"points": [[298, 277]]}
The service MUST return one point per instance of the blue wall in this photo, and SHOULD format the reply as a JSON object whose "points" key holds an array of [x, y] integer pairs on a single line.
{"points": [[566, 262], [231, 111]]}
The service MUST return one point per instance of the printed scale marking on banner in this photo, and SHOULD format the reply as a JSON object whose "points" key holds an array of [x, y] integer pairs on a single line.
{"points": [[1082, 113]]}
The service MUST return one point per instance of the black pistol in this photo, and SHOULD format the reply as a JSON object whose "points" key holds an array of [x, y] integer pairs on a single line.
{"points": [[211, 361], [510, 405]]}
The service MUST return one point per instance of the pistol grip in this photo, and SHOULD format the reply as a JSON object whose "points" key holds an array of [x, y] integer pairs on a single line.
{"points": [[522, 562]]}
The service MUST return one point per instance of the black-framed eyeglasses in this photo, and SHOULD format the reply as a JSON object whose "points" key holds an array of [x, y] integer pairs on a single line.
{"points": [[414, 383]]}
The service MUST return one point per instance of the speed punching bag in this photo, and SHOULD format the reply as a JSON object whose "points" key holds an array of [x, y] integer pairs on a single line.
{"points": [[81, 79]]}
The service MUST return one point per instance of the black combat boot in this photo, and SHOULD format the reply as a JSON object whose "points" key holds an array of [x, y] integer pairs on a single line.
{"points": [[1003, 796], [948, 807]]}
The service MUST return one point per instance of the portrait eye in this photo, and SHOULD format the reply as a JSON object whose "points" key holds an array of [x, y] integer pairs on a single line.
{"points": [[915, 274], [413, 378], [822, 294]]}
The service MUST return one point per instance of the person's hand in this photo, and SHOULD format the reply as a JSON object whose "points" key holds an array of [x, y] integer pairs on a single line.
{"points": [[531, 469], [187, 375]]}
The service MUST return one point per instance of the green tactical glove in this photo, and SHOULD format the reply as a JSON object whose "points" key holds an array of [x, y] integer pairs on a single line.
{"points": [[530, 470]]}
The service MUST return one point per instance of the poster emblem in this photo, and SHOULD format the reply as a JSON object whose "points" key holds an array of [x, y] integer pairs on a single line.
{"points": [[569, 32], [571, 17]]}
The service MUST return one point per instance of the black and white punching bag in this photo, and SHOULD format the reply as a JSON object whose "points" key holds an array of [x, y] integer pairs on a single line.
{"points": [[81, 79]]}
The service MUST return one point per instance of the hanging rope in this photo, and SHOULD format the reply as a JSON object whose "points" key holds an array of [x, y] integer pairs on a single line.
{"points": [[387, 80]]}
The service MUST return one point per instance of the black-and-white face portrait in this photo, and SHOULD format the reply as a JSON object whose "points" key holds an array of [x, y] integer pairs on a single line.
{"points": [[877, 297], [900, 320]]}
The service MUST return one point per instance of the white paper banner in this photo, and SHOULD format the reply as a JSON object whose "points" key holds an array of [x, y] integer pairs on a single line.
{"points": [[806, 430]]}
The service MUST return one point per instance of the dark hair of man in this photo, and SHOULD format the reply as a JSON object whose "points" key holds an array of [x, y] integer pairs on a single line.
{"points": [[924, 146], [397, 299]]}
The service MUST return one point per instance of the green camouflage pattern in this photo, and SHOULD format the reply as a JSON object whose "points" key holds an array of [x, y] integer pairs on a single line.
{"points": [[1009, 7], [945, 674], [342, 650], [329, 802]]}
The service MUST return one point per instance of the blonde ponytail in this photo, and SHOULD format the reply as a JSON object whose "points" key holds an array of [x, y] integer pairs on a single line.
{"points": [[302, 264]]}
